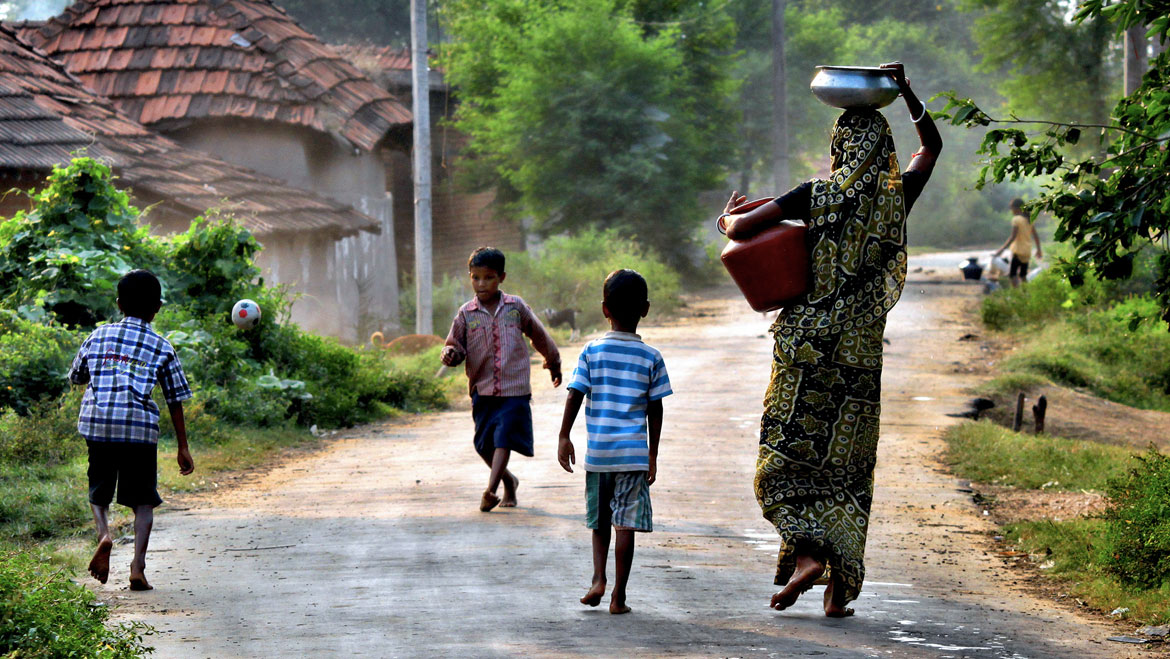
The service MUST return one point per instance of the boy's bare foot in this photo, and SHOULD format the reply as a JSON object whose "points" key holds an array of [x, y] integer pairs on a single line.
{"points": [[510, 485], [99, 565], [808, 570], [593, 597], [617, 605], [488, 501], [834, 606], [138, 577]]}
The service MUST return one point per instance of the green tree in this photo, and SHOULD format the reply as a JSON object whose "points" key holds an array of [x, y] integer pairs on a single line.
{"points": [[1112, 205], [582, 113], [1048, 64]]}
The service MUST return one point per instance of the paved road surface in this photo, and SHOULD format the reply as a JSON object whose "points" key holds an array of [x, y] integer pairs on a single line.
{"points": [[374, 546]]}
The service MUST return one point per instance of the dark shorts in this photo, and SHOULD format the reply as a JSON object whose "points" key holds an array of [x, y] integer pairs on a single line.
{"points": [[502, 422], [1019, 268], [131, 469]]}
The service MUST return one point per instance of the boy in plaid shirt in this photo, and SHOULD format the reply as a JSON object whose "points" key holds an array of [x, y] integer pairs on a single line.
{"points": [[120, 363]]}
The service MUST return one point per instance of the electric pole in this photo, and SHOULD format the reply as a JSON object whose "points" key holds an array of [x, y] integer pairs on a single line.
{"points": [[421, 105]]}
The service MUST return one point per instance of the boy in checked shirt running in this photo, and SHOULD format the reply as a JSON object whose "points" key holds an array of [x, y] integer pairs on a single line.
{"points": [[120, 363], [489, 333]]}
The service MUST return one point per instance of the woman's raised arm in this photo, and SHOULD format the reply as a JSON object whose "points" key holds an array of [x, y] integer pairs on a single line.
{"points": [[925, 157]]}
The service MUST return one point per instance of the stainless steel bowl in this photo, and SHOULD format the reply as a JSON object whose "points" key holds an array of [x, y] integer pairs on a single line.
{"points": [[854, 87]]}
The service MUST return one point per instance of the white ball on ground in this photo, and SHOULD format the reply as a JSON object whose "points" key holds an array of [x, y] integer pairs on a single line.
{"points": [[246, 314]]}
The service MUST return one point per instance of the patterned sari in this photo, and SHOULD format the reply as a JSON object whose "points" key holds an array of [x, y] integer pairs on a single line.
{"points": [[819, 433]]}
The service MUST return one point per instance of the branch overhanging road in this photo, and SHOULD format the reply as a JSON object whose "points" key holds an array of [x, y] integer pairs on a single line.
{"points": [[374, 546]]}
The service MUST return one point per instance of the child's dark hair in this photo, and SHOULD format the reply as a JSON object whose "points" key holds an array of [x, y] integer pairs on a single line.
{"points": [[139, 293], [486, 257], [1017, 204], [625, 293]]}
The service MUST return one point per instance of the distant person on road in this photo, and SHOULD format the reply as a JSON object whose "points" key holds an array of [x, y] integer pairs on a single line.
{"points": [[819, 433], [625, 381], [120, 363], [1021, 241], [489, 332]]}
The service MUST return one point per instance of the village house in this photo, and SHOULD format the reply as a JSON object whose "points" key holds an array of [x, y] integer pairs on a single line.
{"points": [[47, 117], [240, 80]]}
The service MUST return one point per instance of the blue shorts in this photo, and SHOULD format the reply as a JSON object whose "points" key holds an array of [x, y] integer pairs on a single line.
{"points": [[620, 498], [502, 422]]}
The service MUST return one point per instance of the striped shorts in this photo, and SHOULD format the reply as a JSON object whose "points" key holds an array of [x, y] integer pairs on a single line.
{"points": [[621, 498]]}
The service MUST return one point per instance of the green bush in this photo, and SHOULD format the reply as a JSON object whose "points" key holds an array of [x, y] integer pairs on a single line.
{"points": [[43, 614], [569, 271], [1138, 523], [211, 265], [45, 435], [65, 256], [34, 361]]}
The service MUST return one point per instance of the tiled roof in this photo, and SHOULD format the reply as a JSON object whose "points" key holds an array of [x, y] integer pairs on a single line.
{"points": [[176, 60], [46, 116]]}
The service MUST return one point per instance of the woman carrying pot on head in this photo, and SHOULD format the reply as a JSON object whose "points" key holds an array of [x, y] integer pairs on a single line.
{"points": [[819, 433]]}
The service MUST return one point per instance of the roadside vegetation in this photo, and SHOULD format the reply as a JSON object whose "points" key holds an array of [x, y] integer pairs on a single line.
{"points": [[565, 273], [1106, 339], [256, 392], [1116, 561]]}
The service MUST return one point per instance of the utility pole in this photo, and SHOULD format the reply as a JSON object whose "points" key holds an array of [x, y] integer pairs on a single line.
{"points": [[1136, 59], [779, 102], [421, 96]]}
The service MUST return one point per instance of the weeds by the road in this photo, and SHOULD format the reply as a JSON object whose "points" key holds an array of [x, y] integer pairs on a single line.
{"points": [[1103, 337], [44, 614], [1120, 560], [992, 454]]}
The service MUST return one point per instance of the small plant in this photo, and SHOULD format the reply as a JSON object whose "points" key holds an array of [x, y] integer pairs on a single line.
{"points": [[44, 614], [1138, 523]]}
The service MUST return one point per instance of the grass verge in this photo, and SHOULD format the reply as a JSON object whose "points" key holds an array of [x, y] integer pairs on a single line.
{"points": [[1072, 552], [1078, 553], [985, 452]]}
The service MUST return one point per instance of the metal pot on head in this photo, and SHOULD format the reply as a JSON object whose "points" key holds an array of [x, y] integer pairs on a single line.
{"points": [[854, 87]]}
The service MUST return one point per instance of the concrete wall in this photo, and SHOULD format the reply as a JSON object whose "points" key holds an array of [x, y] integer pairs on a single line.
{"points": [[349, 286]]}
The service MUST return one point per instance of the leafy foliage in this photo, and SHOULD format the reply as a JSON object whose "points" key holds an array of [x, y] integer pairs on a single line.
{"points": [[587, 113], [44, 614], [66, 255], [1044, 64], [1138, 523], [569, 272], [1108, 206], [34, 360]]}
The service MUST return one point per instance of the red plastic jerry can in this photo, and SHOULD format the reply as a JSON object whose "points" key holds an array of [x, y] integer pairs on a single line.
{"points": [[771, 268]]}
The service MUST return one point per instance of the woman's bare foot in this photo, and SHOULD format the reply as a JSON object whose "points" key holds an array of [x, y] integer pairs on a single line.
{"points": [[99, 565], [138, 577], [808, 570], [617, 605], [593, 597], [488, 501], [510, 485], [835, 601]]}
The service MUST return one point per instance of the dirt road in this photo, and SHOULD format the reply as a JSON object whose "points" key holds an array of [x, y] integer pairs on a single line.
{"points": [[375, 547]]}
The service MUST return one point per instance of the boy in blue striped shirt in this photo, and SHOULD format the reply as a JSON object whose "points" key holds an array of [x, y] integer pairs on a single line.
{"points": [[625, 381]]}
